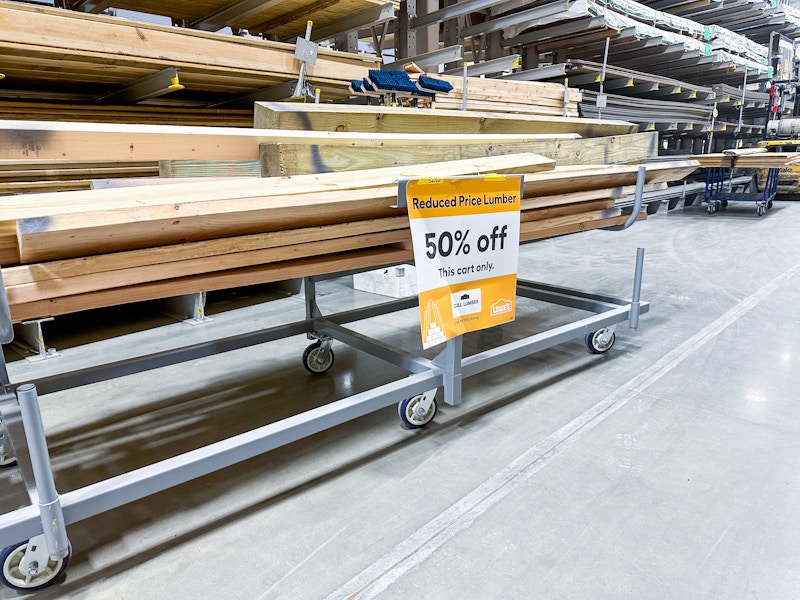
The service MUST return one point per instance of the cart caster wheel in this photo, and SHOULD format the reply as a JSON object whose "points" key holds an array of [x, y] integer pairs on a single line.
{"points": [[413, 415], [316, 360], [711, 208], [724, 204], [761, 211], [599, 342], [769, 204], [717, 205], [22, 572]]}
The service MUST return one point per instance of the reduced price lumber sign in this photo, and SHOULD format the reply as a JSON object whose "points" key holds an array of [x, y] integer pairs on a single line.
{"points": [[465, 233]]}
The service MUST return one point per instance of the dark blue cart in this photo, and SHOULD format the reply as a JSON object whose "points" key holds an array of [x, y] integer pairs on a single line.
{"points": [[719, 192]]}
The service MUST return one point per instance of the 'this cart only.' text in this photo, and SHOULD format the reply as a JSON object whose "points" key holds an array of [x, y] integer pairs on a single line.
{"points": [[466, 270], [462, 200]]}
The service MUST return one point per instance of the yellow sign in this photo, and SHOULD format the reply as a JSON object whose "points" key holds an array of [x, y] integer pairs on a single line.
{"points": [[465, 233]]}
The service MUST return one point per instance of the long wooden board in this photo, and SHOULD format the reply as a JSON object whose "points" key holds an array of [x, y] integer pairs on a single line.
{"points": [[240, 189], [287, 159], [62, 228], [383, 119], [42, 140], [765, 160], [333, 263]]}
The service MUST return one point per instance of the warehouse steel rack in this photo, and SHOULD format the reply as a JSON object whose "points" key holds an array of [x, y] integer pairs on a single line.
{"points": [[37, 550]]}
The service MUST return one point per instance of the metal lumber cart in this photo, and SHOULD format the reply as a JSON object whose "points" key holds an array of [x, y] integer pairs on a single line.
{"points": [[34, 537], [720, 190]]}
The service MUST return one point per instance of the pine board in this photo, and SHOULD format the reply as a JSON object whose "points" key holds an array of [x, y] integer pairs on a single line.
{"points": [[239, 192]]}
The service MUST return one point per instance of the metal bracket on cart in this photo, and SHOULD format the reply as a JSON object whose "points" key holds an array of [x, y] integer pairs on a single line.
{"points": [[37, 550]]}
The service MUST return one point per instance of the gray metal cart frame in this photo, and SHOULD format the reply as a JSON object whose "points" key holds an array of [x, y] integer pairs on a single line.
{"points": [[35, 536]]}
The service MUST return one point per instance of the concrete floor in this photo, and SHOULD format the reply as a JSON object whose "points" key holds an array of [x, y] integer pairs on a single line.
{"points": [[667, 468]]}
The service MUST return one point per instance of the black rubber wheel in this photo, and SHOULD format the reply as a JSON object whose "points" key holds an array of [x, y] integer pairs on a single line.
{"points": [[769, 204], [317, 362], [407, 409], [12, 577], [595, 344], [724, 204]]}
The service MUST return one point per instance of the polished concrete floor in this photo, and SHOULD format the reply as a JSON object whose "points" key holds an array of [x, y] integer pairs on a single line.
{"points": [[667, 468]]}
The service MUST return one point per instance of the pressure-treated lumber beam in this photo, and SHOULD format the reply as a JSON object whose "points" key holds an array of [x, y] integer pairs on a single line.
{"points": [[28, 140], [295, 159], [375, 119]]}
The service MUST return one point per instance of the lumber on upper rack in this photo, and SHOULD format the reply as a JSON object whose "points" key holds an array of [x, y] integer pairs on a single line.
{"points": [[97, 53], [138, 113], [385, 119]]}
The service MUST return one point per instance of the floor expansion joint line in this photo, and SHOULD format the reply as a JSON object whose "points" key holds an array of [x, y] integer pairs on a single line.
{"points": [[419, 546]]}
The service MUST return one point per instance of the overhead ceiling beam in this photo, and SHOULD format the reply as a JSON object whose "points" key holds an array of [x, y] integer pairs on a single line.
{"points": [[232, 14]]}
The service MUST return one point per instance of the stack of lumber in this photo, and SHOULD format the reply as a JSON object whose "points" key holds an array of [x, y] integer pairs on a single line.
{"points": [[601, 141], [82, 250], [136, 113], [78, 57], [17, 177], [318, 138], [757, 160], [34, 140], [505, 95]]}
